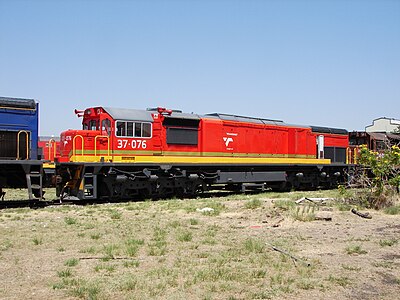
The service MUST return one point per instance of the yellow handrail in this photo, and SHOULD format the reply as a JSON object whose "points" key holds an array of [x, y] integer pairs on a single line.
{"points": [[355, 155], [27, 143], [108, 144], [73, 144]]}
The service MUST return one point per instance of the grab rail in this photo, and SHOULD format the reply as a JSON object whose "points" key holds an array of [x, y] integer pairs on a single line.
{"points": [[50, 145], [27, 143], [73, 145], [108, 144]]}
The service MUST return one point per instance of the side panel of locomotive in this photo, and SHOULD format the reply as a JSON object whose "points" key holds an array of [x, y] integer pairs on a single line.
{"points": [[187, 153]]}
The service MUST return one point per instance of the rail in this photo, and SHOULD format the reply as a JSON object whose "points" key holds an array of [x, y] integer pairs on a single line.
{"points": [[50, 145], [352, 155], [27, 143], [108, 144], [74, 145]]}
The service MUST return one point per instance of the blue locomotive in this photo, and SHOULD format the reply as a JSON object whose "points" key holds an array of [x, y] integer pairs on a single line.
{"points": [[19, 164]]}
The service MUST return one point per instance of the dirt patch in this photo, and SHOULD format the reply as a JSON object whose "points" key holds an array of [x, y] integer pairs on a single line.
{"points": [[174, 250]]}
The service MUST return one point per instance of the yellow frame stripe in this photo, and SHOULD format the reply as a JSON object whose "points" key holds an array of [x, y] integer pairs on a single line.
{"points": [[200, 160], [104, 153]]}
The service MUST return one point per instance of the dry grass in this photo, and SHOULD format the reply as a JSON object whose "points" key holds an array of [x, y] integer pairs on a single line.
{"points": [[170, 250]]}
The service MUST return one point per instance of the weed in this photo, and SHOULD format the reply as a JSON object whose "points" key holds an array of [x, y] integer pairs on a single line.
{"points": [[89, 226], [209, 241], [86, 290], [157, 249], [212, 230], [306, 284], [253, 204], [81, 234], [115, 215], [389, 242], [351, 268], [343, 206], [304, 213], [61, 249], [131, 250], [129, 283], [131, 263], [158, 245], [282, 283], [90, 250], [184, 236], [95, 236], [107, 267], [5, 245], [342, 280], [37, 241], [253, 245], [174, 224], [261, 273], [384, 264], [194, 222], [70, 221], [284, 204], [64, 273], [392, 210], [355, 249], [72, 262], [109, 251]]}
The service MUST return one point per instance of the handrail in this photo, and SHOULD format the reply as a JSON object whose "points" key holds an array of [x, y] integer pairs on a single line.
{"points": [[108, 144], [50, 143], [352, 155], [27, 143], [355, 155], [73, 144]]}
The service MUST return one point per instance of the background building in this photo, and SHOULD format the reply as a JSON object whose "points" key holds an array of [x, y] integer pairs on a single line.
{"points": [[383, 124]]}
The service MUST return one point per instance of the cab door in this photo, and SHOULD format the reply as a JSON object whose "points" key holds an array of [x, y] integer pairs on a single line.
{"points": [[104, 142]]}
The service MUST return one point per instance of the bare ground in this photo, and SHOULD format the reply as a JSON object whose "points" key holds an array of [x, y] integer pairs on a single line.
{"points": [[170, 250]]}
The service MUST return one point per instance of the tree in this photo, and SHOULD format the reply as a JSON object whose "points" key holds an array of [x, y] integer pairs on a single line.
{"points": [[383, 180]]}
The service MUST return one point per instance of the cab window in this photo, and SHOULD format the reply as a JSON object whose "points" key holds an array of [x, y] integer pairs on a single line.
{"points": [[106, 126], [93, 125]]}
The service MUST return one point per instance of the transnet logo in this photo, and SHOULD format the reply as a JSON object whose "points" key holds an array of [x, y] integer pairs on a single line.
{"points": [[229, 139]]}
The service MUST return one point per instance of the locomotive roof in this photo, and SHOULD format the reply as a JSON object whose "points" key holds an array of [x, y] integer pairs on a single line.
{"points": [[237, 118], [144, 115], [276, 122], [328, 130], [17, 102], [129, 114]]}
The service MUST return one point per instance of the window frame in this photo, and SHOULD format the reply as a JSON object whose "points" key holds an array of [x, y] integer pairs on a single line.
{"points": [[134, 131]]}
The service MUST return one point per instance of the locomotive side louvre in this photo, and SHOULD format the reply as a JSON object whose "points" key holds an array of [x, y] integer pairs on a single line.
{"points": [[160, 152]]}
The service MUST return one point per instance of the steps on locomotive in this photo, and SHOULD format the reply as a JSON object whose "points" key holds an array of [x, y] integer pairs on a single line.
{"points": [[34, 185], [251, 187], [90, 186]]}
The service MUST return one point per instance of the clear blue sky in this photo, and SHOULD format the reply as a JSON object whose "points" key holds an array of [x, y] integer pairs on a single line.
{"points": [[329, 63]]}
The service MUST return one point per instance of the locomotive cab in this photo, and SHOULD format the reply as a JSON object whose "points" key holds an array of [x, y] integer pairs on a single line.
{"points": [[92, 140]]}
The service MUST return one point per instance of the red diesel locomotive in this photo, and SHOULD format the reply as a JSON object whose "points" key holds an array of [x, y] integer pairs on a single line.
{"points": [[126, 153]]}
